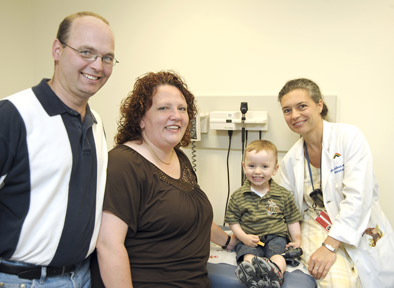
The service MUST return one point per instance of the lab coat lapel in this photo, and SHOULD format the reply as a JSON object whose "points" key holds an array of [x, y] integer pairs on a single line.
{"points": [[299, 173], [325, 165]]}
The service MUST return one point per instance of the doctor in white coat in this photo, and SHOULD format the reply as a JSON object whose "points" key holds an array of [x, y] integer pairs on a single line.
{"points": [[334, 162]]}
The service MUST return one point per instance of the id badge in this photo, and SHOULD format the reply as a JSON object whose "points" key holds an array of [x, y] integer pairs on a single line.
{"points": [[324, 220]]}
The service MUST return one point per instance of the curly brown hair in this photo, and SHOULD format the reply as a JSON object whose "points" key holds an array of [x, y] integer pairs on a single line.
{"points": [[139, 100]]}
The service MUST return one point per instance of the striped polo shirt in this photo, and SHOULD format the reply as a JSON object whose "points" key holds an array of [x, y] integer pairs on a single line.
{"points": [[52, 178], [265, 215]]}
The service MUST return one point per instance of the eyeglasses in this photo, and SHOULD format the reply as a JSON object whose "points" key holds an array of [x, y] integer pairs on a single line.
{"points": [[89, 56], [317, 197]]}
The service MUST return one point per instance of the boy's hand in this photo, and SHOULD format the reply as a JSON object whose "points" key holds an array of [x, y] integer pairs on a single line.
{"points": [[250, 240], [294, 244]]}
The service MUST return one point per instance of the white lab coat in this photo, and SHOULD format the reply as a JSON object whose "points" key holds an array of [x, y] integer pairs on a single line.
{"points": [[351, 198]]}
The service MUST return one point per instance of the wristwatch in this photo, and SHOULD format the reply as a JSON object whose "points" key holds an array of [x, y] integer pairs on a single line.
{"points": [[329, 247], [227, 242]]}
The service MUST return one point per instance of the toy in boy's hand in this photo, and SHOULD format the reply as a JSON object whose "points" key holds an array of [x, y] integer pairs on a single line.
{"points": [[291, 254]]}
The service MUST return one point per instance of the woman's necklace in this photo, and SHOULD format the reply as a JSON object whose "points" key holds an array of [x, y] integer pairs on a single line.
{"points": [[157, 157]]}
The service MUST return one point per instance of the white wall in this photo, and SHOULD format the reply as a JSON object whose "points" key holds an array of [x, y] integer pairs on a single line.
{"points": [[229, 47], [16, 43]]}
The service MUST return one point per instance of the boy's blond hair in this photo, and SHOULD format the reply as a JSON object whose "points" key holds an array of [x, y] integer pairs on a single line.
{"points": [[258, 145]]}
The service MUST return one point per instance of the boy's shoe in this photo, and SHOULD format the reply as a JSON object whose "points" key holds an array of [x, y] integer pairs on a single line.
{"points": [[246, 273], [268, 270]]}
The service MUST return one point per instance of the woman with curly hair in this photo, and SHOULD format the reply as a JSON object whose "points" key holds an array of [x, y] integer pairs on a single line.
{"points": [[157, 222]]}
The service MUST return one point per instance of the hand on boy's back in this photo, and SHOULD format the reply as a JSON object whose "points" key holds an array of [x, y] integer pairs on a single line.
{"points": [[250, 240]]}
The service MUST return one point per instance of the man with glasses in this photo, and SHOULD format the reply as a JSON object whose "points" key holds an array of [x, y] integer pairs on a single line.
{"points": [[53, 159]]}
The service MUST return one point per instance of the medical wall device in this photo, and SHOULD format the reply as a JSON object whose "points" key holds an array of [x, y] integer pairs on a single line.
{"points": [[232, 120]]}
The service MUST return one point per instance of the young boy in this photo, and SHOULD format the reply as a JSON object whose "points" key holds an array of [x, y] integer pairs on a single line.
{"points": [[262, 215]]}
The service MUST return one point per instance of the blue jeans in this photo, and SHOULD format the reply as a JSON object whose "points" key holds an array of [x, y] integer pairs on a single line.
{"points": [[273, 245], [79, 278]]}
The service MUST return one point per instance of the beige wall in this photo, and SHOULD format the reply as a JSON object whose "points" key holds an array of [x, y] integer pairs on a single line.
{"points": [[229, 47]]}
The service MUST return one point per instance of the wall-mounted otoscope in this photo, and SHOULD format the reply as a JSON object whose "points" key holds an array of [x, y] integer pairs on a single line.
{"points": [[244, 110], [244, 107]]}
